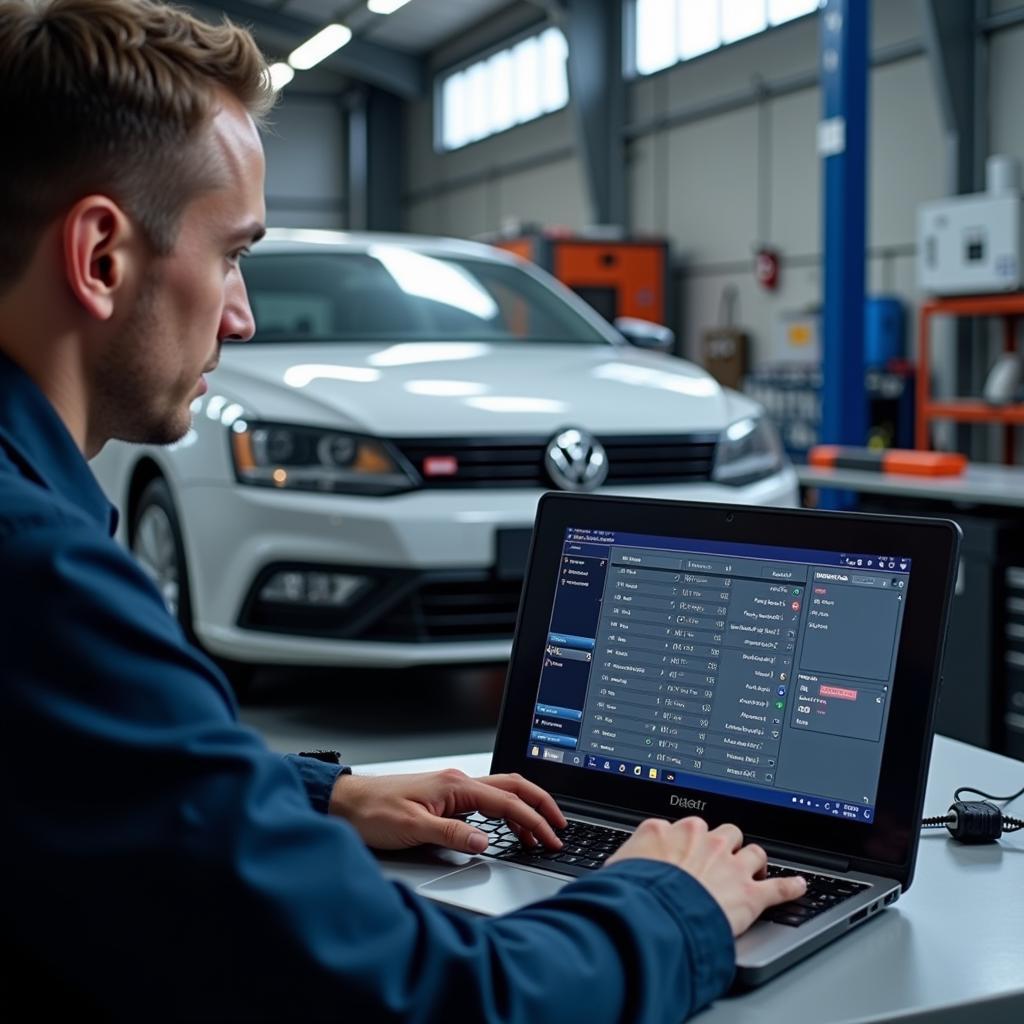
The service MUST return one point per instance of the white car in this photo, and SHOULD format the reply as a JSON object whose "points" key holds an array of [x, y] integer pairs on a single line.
{"points": [[360, 481]]}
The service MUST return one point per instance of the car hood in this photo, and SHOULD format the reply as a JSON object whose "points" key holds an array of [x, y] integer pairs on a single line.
{"points": [[473, 389]]}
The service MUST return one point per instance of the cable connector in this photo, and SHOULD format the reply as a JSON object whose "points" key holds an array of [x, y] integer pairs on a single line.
{"points": [[975, 821]]}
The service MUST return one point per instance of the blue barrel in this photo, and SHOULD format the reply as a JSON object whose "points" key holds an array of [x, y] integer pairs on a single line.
{"points": [[885, 330]]}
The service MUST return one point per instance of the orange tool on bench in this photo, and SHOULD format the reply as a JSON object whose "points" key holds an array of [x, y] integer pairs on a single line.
{"points": [[888, 460]]}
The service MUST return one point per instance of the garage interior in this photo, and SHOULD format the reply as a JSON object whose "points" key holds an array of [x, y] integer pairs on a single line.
{"points": [[618, 411], [687, 163]]}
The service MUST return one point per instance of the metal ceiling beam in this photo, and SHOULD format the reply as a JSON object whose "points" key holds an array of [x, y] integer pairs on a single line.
{"points": [[376, 139], [398, 73], [952, 44], [594, 31]]}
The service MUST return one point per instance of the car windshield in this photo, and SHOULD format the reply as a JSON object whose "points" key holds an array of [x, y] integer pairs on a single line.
{"points": [[392, 293]]}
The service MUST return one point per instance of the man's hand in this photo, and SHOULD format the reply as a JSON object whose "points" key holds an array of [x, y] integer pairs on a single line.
{"points": [[394, 811], [734, 874]]}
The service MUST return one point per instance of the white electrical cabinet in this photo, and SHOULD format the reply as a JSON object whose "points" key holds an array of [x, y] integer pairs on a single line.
{"points": [[972, 245]]}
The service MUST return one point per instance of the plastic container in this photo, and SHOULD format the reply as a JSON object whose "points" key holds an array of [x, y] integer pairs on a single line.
{"points": [[885, 332]]}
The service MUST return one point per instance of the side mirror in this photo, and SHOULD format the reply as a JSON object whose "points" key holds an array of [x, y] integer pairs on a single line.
{"points": [[645, 334]]}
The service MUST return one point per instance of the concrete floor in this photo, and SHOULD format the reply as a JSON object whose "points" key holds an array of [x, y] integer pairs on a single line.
{"points": [[378, 715]]}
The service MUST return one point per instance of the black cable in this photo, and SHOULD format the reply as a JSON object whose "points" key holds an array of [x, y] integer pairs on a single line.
{"points": [[988, 796]]}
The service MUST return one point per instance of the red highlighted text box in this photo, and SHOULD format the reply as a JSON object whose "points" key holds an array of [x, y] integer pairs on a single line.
{"points": [[838, 692]]}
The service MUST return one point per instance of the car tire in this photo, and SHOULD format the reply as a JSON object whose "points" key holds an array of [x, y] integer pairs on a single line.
{"points": [[157, 544]]}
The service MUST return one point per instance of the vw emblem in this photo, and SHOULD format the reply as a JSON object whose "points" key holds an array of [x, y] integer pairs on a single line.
{"points": [[575, 461]]}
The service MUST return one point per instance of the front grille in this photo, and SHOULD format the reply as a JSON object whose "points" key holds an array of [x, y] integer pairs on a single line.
{"points": [[652, 460], [519, 461], [511, 462]]}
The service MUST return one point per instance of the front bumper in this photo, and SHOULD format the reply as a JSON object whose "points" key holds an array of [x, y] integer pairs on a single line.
{"points": [[421, 548]]}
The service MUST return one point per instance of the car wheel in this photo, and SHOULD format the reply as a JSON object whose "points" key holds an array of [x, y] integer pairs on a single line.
{"points": [[157, 545]]}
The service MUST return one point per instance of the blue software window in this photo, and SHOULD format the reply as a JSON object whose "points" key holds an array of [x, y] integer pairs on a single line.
{"points": [[753, 671]]}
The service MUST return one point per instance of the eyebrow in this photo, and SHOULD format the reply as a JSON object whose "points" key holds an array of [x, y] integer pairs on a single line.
{"points": [[252, 233]]}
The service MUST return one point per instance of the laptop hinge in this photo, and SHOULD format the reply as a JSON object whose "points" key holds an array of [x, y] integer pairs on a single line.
{"points": [[814, 858], [570, 805]]}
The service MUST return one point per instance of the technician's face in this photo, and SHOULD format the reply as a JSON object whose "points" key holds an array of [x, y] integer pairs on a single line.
{"points": [[192, 299]]}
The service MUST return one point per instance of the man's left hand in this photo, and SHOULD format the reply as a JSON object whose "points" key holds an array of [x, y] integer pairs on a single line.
{"points": [[395, 811]]}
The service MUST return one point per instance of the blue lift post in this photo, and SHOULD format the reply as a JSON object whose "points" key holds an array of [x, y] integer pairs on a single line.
{"points": [[842, 145]]}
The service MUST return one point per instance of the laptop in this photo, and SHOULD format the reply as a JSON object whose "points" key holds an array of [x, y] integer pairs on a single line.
{"points": [[774, 668]]}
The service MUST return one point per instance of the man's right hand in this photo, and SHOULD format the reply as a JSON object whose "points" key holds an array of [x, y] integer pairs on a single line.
{"points": [[732, 873]]}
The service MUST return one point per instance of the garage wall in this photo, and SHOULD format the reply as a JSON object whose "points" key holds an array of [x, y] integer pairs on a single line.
{"points": [[304, 141], [305, 152], [530, 172], [729, 171]]}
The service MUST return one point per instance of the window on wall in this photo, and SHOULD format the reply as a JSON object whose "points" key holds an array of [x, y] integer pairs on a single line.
{"points": [[668, 31], [514, 85]]}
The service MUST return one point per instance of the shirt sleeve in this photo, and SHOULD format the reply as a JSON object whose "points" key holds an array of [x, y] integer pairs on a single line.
{"points": [[168, 865], [318, 778]]}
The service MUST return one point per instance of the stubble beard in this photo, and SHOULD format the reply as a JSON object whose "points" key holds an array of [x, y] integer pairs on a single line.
{"points": [[134, 403]]}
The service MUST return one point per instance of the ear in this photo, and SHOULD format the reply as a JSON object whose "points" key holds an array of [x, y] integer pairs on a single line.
{"points": [[101, 249]]}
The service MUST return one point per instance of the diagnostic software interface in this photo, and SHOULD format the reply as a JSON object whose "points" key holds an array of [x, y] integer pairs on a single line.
{"points": [[758, 672]]}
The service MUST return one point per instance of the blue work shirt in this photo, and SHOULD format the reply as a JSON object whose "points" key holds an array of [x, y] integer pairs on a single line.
{"points": [[160, 862]]}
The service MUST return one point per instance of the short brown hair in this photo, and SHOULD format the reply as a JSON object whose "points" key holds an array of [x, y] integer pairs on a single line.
{"points": [[110, 96]]}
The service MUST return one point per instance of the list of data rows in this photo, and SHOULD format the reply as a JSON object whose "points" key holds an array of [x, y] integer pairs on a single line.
{"points": [[692, 670]]}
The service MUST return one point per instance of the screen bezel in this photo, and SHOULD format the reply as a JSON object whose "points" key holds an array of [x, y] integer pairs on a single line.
{"points": [[886, 846]]}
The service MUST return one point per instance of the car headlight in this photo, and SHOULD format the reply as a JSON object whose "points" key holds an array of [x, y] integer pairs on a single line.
{"points": [[315, 459], [748, 450]]}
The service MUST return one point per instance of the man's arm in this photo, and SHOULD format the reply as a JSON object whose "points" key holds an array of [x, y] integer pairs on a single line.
{"points": [[167, 863]]}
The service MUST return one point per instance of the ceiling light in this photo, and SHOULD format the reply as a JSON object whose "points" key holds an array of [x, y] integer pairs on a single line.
{"points": [[320, 47], [385, 6], [280, 75]]}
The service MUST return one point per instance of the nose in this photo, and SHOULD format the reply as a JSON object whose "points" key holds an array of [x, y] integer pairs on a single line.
{"points": [[236, 322]]}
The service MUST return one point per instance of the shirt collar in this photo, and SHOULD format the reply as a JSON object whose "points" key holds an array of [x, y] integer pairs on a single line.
{"points": [[31, 428]]}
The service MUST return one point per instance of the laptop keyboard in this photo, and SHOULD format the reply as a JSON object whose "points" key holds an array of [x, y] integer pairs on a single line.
{"points": [[823, 893], [586, 847]]}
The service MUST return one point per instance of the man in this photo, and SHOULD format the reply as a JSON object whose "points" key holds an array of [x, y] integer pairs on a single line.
{"points": [[159, 860]]}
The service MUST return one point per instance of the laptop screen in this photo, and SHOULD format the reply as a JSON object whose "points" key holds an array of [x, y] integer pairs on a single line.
{"points": [[764, 673]]}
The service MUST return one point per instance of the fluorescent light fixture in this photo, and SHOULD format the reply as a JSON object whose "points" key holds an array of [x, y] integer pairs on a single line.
{"points": [[385, 6], [320, 47], [280, 75]]}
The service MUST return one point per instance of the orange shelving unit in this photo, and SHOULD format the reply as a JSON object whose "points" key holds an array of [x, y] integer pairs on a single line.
{"points": [[1010, 308]]}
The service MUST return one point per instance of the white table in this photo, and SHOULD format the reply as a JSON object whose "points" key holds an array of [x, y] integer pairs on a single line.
{"points": [[951, 949], [979, 484]]}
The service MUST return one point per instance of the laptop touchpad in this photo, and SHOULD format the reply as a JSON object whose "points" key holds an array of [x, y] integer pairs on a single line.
{"points": [[490, 888]]}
